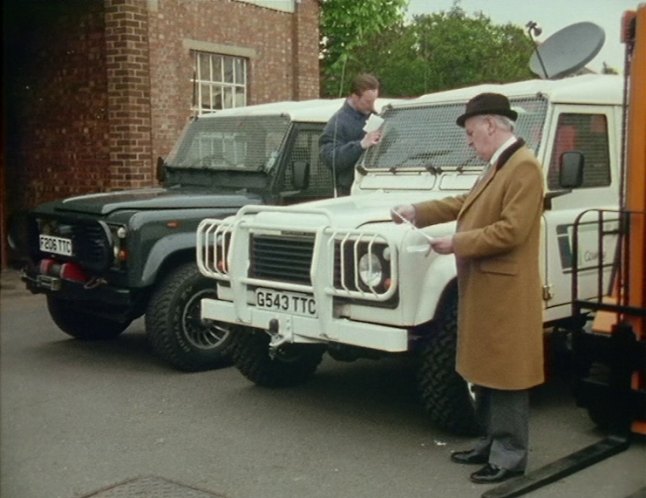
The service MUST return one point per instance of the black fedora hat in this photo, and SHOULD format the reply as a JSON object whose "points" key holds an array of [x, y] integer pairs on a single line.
{"points": [[487, 103]]}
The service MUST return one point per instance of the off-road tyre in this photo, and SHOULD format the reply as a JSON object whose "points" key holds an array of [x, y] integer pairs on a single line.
{"points": [[174, 326], [444, 393], [73, 319], [289, 365]]}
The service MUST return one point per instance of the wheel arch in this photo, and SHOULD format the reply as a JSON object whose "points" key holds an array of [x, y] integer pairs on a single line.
{"points": [[424, 331], [166, 254], [440, 278]]}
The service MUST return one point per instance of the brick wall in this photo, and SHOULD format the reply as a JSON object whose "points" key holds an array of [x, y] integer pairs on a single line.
{"points": [[285, 66], [128, 74], [96, 90], [55, 93], [305, 43]]}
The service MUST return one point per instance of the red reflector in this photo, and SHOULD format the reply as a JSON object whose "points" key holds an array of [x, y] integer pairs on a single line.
{"points": [[73, 272], [387, 283]]}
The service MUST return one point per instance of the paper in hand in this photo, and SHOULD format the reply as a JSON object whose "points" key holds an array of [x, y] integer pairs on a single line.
{"points": [[415, 229], [373, 124]]}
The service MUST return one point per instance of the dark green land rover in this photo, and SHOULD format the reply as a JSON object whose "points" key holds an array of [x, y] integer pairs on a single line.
{"points": [[103, 260]]}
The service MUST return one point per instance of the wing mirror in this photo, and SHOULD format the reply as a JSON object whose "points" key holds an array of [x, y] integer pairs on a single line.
{"points": [[570, 176], [571, 170], [160, 170], [300, 174]]}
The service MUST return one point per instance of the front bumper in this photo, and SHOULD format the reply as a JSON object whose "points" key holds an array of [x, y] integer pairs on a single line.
{"points": [[99, 291], [286, 328]]}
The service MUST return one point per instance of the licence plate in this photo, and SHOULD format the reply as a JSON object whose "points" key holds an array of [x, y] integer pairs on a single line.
{"points": [[55, 245], [290, 302]]}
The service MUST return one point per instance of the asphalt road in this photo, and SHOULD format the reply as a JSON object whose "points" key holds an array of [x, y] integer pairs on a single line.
{"points": [[79, 417]]}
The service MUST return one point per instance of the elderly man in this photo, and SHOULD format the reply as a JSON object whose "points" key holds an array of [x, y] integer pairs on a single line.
{"points": [[343, 139], [496, 246]]}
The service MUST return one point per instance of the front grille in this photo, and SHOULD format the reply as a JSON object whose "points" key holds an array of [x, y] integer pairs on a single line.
{"points": [[91, 241], [281, 258], [92, 245]]}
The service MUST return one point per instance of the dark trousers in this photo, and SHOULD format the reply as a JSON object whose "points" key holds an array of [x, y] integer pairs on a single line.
{"points": [[504, 415]]}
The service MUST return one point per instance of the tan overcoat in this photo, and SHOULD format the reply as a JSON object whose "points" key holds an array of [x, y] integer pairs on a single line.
{"points": [[496, 247]]}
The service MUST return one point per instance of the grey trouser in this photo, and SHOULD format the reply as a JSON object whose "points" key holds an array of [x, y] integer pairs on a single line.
{"points": [[504, 415]]}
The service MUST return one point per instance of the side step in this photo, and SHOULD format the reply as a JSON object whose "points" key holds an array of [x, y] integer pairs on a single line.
{"points": [[554, 471]]}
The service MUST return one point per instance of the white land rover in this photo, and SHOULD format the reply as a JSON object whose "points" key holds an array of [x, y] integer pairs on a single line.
{"points": [[339, 276]]}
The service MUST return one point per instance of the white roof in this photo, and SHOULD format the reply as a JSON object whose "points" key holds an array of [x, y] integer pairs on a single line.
{"points": [[585, 89], [314, 110]]}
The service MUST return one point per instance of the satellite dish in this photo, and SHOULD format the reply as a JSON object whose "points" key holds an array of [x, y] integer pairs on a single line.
{"points": [[567, 50]]}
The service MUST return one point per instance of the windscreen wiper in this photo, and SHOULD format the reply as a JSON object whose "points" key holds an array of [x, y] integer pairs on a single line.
{"points": [[424, 156]]}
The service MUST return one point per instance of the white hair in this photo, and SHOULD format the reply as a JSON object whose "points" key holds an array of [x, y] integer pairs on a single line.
{"points": [[504, 122]]}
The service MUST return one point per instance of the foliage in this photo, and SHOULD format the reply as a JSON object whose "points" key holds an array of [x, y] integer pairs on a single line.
{"points": [[346, 25], [433, 52]]}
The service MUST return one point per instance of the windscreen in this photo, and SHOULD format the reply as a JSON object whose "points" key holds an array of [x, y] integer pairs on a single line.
{"points": [[236, 143], [427, 137]]}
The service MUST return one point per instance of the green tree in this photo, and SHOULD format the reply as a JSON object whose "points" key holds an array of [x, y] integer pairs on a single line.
{"points": [[461, 50], [438, 52], [346, 25]]}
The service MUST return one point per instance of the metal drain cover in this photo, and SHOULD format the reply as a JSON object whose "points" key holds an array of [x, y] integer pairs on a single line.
{"points": [[151, 487]]}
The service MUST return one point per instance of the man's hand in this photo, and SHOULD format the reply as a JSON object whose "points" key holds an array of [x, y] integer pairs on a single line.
{"points": [[371, 138], [443, 245], [403, 213]]}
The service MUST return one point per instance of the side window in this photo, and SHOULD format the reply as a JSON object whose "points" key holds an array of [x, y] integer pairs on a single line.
{"points": [[587, 134], [306, 148]]}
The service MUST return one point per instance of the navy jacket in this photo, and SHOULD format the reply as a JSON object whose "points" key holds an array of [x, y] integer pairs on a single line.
{"points": [[340, 144]]}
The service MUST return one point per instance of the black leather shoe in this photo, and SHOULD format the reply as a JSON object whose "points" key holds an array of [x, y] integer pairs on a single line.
{"points": [[469, 457], [490, 474]]}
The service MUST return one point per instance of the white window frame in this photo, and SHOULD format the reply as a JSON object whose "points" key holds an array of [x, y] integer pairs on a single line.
{"points": [[282, 5], [220, 81]]}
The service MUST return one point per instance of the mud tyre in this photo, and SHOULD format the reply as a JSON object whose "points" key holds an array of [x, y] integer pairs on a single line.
{"points": [[289, 365], [446, 396], [76, 321], [174, 326]]}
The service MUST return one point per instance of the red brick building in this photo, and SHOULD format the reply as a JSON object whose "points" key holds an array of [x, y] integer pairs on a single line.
{"points": [[95, 90]]}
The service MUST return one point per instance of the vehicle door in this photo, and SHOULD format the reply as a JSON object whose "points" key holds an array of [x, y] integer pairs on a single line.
{"points": [[594, 131]]}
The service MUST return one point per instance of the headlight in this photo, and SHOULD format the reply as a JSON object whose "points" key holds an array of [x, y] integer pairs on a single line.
{"points": [[370, 269], [119, 252]]}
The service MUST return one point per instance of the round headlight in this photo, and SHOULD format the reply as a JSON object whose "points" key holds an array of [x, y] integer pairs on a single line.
{"points": [[370, 270]]}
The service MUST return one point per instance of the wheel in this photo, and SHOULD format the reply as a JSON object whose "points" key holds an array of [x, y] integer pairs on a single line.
{"points": [[174, 326], [446, 397], [289, 365], [601, 409], [74, 319]]}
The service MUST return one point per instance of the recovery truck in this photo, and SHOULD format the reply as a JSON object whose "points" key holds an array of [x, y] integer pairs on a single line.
{"points": [[615, 396]]}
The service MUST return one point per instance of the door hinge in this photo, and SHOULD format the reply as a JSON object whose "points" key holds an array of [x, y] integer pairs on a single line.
{"points": [[547, 292]]}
